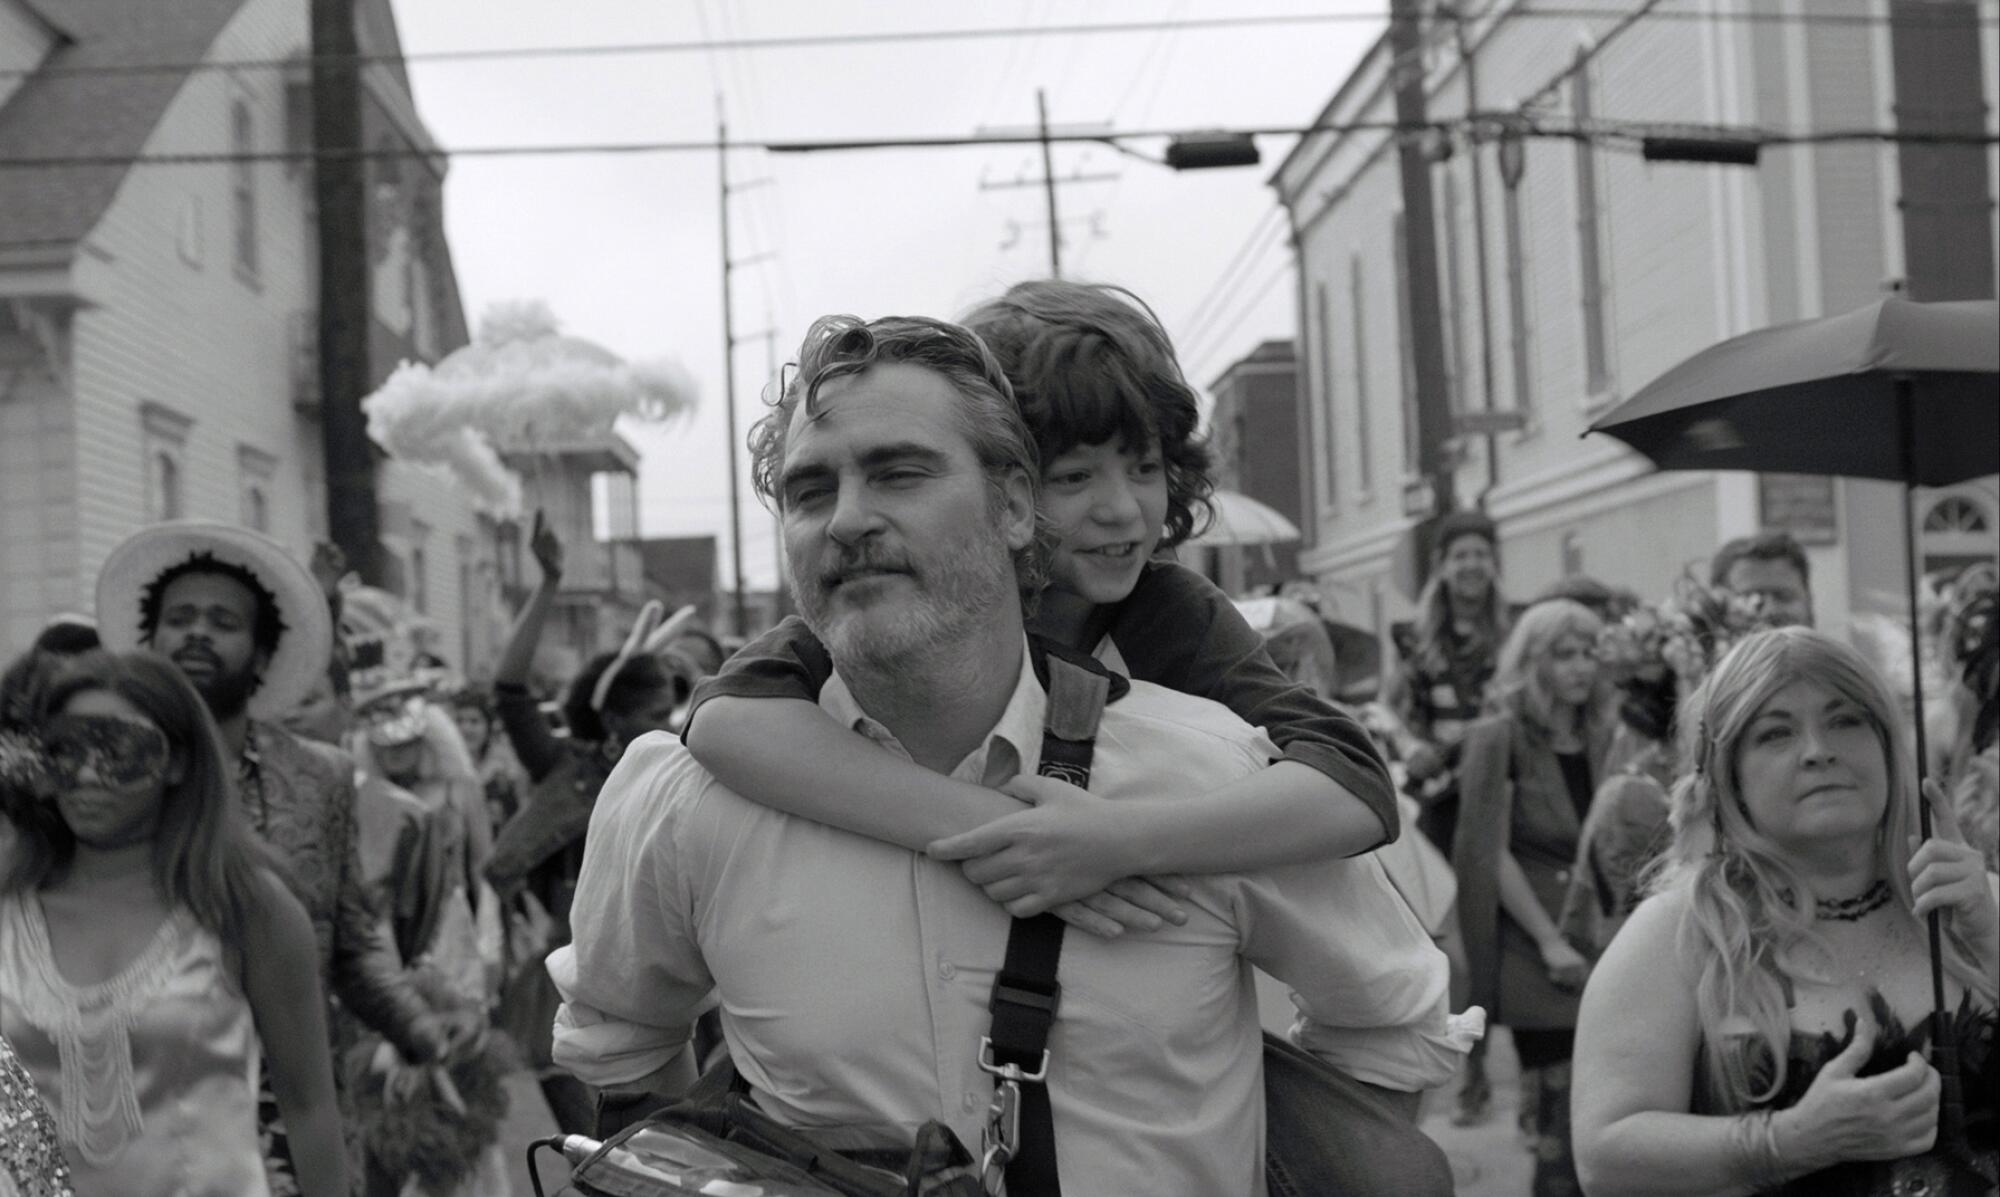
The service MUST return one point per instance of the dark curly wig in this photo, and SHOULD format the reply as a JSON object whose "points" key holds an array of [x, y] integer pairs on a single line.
{"points": [[1647, 705], [639, 681], [1089, 363]]}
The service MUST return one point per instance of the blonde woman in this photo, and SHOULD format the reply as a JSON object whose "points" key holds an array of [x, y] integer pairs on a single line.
{"points": [[1528, 771], [1760, 1025]]}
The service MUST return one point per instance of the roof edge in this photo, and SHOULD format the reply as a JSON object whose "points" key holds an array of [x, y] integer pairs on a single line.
{"points": [[38, 9]]}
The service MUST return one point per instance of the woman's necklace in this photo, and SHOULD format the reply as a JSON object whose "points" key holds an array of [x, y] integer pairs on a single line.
{"points": [[1849, 910]]}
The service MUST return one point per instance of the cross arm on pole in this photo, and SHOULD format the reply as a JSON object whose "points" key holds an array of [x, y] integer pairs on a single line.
{"points": [[1078, 177]]}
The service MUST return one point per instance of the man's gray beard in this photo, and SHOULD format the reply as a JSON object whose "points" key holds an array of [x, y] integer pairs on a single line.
{"points": [[956, 594]]}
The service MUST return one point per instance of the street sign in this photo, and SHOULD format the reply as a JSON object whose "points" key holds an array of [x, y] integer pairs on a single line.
{"points": [[1419, 500], [1486, 423]]}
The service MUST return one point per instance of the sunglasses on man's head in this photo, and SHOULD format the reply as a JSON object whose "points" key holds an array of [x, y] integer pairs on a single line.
{"points": [[118, 751]]}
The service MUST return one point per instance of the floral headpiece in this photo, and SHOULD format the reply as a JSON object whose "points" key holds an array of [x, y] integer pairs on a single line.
{"points": [[1684, 634], [24, 764], [1971, 612]]}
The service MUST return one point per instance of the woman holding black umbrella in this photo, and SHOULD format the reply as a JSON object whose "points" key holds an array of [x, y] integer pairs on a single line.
{"points": [[1746, 1031]]}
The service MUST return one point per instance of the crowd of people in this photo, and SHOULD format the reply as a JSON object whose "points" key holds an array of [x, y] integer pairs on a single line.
{"points": [[969, 870]]}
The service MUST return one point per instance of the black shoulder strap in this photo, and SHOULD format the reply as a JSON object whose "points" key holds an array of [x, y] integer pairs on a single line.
{"points": [[1025, 993]]}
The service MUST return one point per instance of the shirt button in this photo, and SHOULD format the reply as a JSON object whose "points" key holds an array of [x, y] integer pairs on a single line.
{"points": [[947, 970]]}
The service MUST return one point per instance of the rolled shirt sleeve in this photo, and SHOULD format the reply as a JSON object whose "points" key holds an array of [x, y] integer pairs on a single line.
{"points": [[1372, 990], [632, 979]]}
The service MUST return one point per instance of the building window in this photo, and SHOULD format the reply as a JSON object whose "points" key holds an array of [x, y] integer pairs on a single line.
{"points": [[164, 434], [424, 300], [243, 189], [1329, 447], [1955, 514], [1406, 348], [468, 602], [507, 552], [187, 231], [255, 471], [1364, 444], [420, 567], [1517, 298], [1572, 555], [165, 502], [1589, 237], [1957, 532]]}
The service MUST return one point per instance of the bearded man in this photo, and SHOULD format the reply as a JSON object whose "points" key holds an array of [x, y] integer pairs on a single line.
{"points": [[854, 976]]}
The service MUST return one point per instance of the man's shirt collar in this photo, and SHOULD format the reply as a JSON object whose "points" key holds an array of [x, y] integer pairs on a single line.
{"points": [[1014, 745]]}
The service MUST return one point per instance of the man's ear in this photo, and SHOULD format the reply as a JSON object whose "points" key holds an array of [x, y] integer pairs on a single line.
{"points": [[1017, 508], [177, 768]]}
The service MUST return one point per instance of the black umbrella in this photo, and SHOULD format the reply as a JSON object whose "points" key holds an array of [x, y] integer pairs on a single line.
{"points": [[1898, 390]]}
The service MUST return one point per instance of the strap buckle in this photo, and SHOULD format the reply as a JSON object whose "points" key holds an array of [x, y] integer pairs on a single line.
{"points": [[1000, 1137], [1010, 1073]]}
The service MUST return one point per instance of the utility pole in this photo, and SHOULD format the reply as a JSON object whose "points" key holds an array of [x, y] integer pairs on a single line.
{"points": [[1048, 182], [740, 623], [779, 598], [1457, 17], [1425, 319], [352, 519], [1947, 202]]}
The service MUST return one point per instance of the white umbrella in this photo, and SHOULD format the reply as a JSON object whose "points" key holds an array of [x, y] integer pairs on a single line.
{"points": [[1241, 520]]}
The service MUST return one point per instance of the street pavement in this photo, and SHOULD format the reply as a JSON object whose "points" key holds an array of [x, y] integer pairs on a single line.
{"points": [[528, 1119], [1490, 1159]]}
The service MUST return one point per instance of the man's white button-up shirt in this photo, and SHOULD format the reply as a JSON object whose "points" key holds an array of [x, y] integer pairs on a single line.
{"points": [[853, 976]]}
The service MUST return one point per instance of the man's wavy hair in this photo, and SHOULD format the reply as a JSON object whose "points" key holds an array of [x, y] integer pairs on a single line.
{"points": [[1090, 363], [837, 346]]}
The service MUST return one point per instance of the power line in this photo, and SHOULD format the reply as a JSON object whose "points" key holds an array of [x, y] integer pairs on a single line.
{"points": [[767, 226], [1140, 76], [1225, 295], [1221, 338], [1004, 77], [897, 37], [1200, 315], [706, 45], [1583, 56], [1201, 344], [1601, 131]]}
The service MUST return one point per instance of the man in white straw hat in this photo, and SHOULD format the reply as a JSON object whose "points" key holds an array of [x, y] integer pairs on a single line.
{"points": [[251, 629]]}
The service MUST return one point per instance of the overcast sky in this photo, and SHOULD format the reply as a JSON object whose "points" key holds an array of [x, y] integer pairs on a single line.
{"points": [[625, 249]]}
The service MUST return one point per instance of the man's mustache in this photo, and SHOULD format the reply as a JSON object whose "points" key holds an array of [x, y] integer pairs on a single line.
{"points": [[853, 562], [196, 654]]}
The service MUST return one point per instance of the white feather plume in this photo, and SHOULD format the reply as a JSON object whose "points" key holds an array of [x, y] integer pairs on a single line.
{"points": [[521, 385]]}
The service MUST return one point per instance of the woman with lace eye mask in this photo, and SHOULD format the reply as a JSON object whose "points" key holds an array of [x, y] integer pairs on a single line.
{"points": [[149, 954]]}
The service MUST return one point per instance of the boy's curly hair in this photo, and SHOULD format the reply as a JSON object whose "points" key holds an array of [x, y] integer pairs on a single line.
{"points": [[1089, 363]]}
